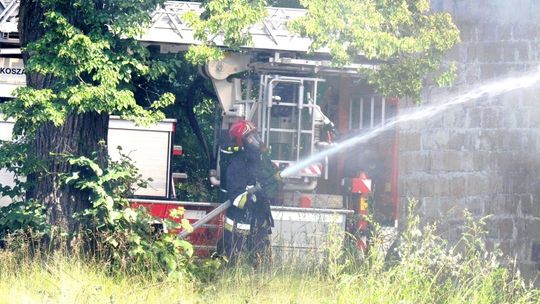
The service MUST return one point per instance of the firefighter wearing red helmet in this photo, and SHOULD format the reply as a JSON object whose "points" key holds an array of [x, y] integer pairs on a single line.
{"points": [[250, 183]]}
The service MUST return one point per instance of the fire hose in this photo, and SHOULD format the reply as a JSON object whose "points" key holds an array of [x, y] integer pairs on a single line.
{"points": [[205, 219], [221, 208]]}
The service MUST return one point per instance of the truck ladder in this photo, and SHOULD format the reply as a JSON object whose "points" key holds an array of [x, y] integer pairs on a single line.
{"points": [[168, 27], [271, 34], [9, 21]]}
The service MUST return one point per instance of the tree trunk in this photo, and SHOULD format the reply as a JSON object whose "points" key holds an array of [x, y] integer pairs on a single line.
{"points": [[79, 136]]}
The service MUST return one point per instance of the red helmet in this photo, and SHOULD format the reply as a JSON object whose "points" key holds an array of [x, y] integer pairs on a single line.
{"points": [[240, 129]]}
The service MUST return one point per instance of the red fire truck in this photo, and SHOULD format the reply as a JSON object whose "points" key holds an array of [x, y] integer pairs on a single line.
{"points": [[301, 105]]}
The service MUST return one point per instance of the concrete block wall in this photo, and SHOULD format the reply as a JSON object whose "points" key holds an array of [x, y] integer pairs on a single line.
{"points": [[484, 155]]}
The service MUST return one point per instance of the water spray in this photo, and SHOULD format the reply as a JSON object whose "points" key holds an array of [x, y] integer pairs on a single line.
{"points": [[493, 88], [489, 89]]}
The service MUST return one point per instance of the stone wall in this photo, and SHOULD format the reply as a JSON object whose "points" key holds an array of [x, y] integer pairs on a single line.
{"points": [[484, 155]]}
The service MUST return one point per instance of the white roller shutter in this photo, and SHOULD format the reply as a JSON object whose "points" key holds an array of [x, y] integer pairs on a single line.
{"points": [[6, 177], [150, 150]]}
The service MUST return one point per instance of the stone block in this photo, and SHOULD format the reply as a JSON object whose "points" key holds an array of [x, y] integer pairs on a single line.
{"points": [[453, 210], [490, 70], [524, 31], [491, 52], [467, 161], [405, 159], [474, 117], [452, 161], [484, 140], [529, 96], [455, 117], [436, 140], [509, 119], [529, 228], [473, 52], [502, 204], [476, 205], [511, 140], [510, 101], [436, 161], [444, 210], [477, 184], [530, 271], [488, 32], [455, 54], [481, 160], [427, 187], [496, 183], [500, 228], [517, 51], [413, 162], [458, 186], [410, 187], [522, 119], [507, 247], [504, 31], [534, 114], [529, 206], [491, 118], [457, 140], [410, 141], [535, 252], [468, 31], [430, 207], [467, 74], [441, 186], [535, 50]]}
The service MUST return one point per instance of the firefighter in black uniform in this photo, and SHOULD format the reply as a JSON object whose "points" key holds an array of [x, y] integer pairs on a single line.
{"points": [[251, 181]]}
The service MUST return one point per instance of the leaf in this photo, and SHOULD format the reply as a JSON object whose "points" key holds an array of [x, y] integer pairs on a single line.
{"points": [[74, 177], [112, 241]]}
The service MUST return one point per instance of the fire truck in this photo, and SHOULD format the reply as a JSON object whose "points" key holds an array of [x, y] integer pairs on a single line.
{"points": [[301, 105]]}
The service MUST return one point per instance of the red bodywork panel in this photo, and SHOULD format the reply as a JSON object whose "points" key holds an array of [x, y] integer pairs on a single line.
{"points": [[204, 239]]}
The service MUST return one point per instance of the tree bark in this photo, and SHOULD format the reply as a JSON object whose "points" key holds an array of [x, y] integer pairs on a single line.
{"points": [[79, 135]]}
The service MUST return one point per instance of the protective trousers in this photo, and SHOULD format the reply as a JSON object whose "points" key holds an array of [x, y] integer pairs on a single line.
{"points": [[255, 245]]}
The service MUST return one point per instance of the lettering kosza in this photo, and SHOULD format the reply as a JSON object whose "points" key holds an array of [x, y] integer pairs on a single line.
{"points": [[12, 71]]}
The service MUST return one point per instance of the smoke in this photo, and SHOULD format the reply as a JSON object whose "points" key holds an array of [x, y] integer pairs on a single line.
{"points": [[497, 11]]}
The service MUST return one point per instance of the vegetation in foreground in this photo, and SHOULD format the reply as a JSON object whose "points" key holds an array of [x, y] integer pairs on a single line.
{"points": [[425, 270]]}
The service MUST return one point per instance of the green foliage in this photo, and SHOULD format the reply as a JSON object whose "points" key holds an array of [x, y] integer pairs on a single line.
{"points": [[19, 217], [179, 76], [429, 272], [121, 233], [226, 21], [404, 38], [22, 217], [89, 55]]}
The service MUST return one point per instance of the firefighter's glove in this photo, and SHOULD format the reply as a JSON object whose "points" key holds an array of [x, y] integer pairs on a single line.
{"points": [[252, 189], [278, 176]]}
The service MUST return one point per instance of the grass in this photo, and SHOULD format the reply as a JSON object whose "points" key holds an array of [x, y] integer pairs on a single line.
{"points": [[428, 271], [67, 280]]}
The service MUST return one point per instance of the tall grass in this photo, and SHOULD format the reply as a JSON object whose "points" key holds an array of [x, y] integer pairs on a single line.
{"points": [[426, 270]]}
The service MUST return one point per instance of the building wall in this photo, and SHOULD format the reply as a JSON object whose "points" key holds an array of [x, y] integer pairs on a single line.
{"points": [[484, 155]]}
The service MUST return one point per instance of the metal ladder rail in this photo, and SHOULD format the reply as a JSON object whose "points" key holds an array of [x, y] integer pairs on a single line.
{"points": [[270, 34], [167, 26], [300, 105], [11, 10]]}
